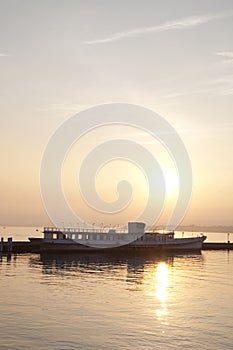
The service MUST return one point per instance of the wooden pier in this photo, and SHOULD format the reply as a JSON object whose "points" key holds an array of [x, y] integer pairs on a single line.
{"points": [[11, 246], [217, 246]]}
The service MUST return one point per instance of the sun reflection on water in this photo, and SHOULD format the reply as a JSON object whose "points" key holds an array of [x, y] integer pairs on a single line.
{"points": [[161, 293]]}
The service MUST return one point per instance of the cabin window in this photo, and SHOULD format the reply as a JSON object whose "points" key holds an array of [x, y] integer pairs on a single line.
{"points": [[94, 236], [80, 236], [87, 236]]}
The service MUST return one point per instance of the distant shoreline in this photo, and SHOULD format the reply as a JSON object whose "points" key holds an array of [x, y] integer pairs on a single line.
{"points": [[182, 228], [217, 229]]}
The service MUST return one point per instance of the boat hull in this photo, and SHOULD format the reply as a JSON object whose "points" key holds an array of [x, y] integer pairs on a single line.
{"points": [[186, 244]]}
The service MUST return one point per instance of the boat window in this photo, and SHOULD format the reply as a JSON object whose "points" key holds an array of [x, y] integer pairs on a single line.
{"points": [[87, 236], [80, 236]]}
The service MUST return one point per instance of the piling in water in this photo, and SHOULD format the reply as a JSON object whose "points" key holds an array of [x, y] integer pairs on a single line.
{"points": [[1, 244], [9, 245]]}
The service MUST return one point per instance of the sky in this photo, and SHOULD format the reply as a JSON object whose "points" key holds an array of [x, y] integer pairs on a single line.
{"points": [[59, 57]]}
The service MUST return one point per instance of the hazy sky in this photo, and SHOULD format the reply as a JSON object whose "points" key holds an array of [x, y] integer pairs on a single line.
{"points": [[58, 57]]}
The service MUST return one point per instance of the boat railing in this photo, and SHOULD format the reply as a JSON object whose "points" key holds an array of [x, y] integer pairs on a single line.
{"points": [[83, 230]]}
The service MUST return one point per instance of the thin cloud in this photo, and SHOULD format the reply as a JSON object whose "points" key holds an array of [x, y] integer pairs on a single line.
{"points": [[227, 55], [222, 86], [187, 22], [63, 107], [5, 55]]}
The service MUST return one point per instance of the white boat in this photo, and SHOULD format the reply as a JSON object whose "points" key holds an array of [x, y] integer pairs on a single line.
{"points": [[87, 240]]}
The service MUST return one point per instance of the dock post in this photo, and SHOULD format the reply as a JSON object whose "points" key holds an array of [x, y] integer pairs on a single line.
{"points": [[9, 245], [228, 238], [2, 244]]}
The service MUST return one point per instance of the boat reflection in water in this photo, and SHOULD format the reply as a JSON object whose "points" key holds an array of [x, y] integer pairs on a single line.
{"points": [[136, 269], [134, 265]]}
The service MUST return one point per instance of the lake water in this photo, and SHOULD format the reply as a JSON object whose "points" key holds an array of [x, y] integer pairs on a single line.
{"points": [[117, 302]]}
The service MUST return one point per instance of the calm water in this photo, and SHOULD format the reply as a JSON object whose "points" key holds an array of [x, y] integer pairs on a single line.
{"points": [[103, 302]]}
